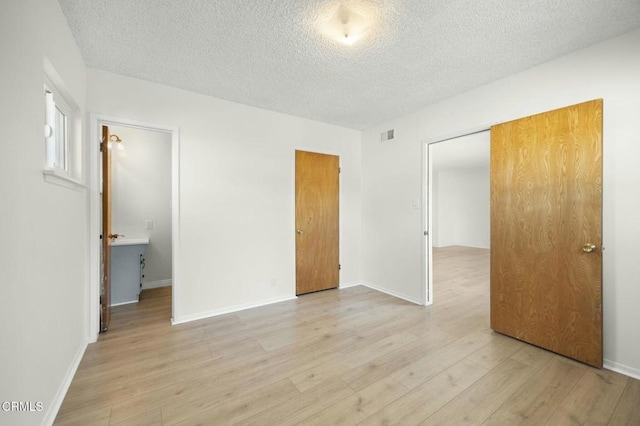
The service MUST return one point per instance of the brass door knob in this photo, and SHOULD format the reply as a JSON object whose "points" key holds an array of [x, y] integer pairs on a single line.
{"points": [[114, 236], [588, 248], [299, 231]]}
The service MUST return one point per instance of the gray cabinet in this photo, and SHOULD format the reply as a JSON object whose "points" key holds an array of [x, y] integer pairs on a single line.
{"points": [[127, 265]]}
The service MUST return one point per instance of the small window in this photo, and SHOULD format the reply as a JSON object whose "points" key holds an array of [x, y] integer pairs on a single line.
{"points": [[56, 132], [62, 132]]}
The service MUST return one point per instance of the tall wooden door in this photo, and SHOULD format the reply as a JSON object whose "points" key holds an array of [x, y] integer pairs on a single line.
{"points": [[105, 285], [317, 222], [546, 230]]}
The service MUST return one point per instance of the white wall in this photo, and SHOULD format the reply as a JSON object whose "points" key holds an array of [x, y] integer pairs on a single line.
{"points": [[392, 233], [461, 207], [43, 255], [237, 190], [392, 174], [141, 191]]}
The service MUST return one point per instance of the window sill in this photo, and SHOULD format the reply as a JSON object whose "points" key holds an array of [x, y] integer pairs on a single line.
{"points": [[57, 178]]}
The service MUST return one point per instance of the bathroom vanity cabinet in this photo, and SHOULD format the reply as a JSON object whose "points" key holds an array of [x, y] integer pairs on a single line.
{"points": [[127, 268]]}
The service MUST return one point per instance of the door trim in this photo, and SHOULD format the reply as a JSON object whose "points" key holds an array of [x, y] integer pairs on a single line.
{"points": [[93, 297], [427, 203]]}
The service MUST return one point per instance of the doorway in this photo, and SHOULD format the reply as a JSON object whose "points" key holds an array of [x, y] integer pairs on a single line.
{"points": [[140, 214], [546, 230], [458, 208], [129, 220]]}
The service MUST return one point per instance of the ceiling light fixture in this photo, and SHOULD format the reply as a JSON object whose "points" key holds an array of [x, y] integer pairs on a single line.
{"points": [[346, 26]]}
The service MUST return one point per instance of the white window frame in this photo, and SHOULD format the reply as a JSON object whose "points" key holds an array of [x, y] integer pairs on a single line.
{"points": [[62, 132], [56, 131]]}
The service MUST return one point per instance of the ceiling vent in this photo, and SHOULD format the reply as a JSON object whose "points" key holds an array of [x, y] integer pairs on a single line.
{"points": [[387, 136]]}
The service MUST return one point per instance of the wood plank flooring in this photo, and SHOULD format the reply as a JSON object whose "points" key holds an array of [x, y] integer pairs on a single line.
{"points": [[352, 356]]}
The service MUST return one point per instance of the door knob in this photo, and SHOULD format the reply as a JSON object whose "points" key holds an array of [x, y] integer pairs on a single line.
{"points": [[299, 231], [113, 236], [588, 248]]}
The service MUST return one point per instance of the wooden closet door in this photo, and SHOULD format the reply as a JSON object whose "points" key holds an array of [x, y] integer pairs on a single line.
{"points": [[317, 222], [546, 230]]}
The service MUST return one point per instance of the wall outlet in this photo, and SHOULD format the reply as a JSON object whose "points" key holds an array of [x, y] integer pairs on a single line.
{"points": [[148, 224]]}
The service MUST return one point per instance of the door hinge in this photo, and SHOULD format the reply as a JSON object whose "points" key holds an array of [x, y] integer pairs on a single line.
{"points": [[339, 266], [426, 233], [339, 169], [101, 146]]}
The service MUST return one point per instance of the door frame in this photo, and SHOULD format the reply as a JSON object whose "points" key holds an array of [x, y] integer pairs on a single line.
{"points": [[427, 205], [95, 124]]}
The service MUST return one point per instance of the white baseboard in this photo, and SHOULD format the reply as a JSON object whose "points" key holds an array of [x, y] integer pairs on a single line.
{"points": [[351, 284], [156, 284], [236, 308], [622, 369], [125, 303], [56, 403], [392, 293]]}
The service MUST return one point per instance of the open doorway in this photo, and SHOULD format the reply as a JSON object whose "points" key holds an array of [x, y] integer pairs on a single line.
{"points": [[140, 204], [144, 217], [458, 215]]}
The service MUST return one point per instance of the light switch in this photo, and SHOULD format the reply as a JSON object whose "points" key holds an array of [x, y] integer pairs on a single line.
{"points": [[149, 224]]}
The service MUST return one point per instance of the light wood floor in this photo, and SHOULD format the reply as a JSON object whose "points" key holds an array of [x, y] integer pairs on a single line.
{"points": [[353, 356]]}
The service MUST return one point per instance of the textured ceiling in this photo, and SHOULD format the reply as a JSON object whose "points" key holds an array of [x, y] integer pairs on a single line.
{"points": [[273, 53]]}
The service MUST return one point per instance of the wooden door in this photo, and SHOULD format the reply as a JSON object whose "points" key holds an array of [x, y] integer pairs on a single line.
{"points": [[546, 230], [105, 286], [317, 220]]}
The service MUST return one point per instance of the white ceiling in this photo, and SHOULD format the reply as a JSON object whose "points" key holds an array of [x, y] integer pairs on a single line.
{"points": [[271, 54]]}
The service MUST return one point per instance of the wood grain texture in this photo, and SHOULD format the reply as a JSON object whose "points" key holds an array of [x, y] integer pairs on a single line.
{"points": [[317, 222], [535, 403], [105, 287], [393, 363], [592, 400], [627, 411], [546, 203]]}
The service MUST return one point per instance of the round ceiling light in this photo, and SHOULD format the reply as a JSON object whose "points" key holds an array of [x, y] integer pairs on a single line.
{"points": [[345, 26]]}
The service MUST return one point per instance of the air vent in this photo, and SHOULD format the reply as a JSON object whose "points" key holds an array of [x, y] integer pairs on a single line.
{"points": [[387, 136]]}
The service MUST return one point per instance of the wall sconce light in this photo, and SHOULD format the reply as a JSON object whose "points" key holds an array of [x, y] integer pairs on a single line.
{"points": [[115, 139]]}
